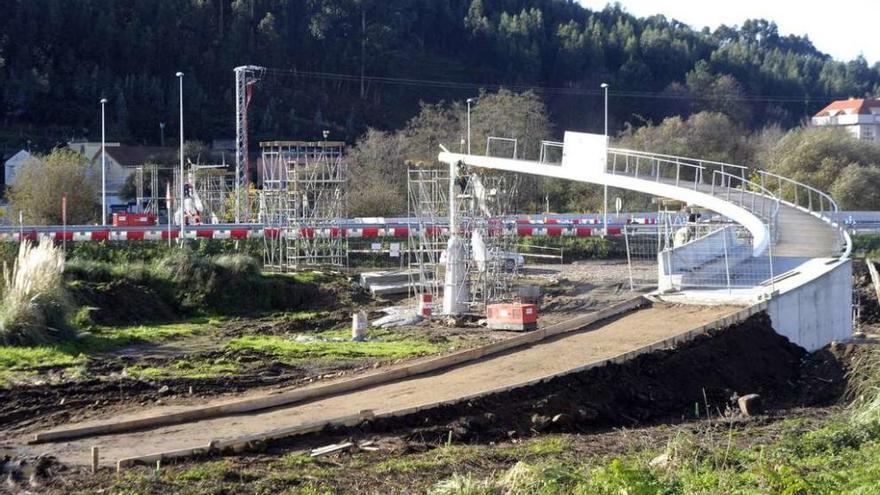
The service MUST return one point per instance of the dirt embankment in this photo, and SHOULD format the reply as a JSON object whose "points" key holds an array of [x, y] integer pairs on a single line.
{"points": [[868, 306], [706, 374]]}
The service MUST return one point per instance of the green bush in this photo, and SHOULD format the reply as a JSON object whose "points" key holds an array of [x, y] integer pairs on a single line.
{"points": [[181, 282], [34, 308]]}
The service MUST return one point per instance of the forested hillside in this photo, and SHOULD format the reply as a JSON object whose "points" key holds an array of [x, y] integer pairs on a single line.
{"points": [[59, 57]]}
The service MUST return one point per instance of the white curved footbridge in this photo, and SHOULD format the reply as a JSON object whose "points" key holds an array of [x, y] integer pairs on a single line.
{"points": [[799, 261], [807, 292]]}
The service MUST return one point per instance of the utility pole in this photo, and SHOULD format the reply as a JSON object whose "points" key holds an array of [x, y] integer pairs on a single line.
{"points": [[182, 203], [103, 164], [605, 188]]}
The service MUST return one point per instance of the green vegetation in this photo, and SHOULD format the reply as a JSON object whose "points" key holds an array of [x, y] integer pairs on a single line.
{"points": [[183, 282], [34, 306], [43, 181], [17, 362], [390, 347], [52, 77], [188, 367]]}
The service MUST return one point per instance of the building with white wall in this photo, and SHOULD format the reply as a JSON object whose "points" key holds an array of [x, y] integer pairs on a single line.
{"points": [[122, 161], [859, 116], [14, 164]]}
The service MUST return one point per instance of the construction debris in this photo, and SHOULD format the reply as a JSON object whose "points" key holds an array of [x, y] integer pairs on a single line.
{"points": [[329, 449], [750, 404], [389, 282], [398, 317]]}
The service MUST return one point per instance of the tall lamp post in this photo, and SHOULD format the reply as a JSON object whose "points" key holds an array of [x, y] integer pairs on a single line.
{"points": [[469, 101], [605, 188], [103, 164], [181, 203]]}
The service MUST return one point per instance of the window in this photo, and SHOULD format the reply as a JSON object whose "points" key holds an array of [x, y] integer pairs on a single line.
{"points": [[867, 132]]}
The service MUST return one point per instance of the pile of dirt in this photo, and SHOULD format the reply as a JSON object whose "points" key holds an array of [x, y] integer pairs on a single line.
{"points": [[700, 376], [869, 307], [122, 302]]}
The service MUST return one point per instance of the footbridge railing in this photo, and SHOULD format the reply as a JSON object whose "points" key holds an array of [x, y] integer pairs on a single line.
{"points": [[809, 200]]}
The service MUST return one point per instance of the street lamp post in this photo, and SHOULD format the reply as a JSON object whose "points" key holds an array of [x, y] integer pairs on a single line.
{"points": [[605, 188], [103, 164], [469, 101], [181, 203]]}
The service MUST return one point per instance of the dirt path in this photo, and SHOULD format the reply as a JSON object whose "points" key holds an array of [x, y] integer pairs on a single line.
{"points": [[596, 343]]}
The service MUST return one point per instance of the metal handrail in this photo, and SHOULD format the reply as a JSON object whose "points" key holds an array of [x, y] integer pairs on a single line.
{"points": [[754, 189], [655, 162], [675, 157], [831, 215]]}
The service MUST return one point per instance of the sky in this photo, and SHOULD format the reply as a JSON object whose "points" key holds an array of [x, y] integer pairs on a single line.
{"points": [[843, 29]]}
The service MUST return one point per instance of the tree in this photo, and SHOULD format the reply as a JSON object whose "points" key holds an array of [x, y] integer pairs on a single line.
{"points": [[706, 135], [857, 188], [818, 156], [379, 160], [41, 183], [377, 171]]}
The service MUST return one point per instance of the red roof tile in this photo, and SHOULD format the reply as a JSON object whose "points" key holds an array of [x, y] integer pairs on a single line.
{"points": [[854, 106]]}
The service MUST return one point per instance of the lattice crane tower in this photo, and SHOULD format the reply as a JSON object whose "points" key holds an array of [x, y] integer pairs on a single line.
{"points": [[245, 78]]}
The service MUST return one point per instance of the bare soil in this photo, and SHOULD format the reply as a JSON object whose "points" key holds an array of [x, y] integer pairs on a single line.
{"points": [[640, 404]]}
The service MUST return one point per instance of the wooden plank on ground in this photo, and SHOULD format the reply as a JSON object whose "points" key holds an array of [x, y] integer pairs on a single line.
{"points": [[343, 386]]}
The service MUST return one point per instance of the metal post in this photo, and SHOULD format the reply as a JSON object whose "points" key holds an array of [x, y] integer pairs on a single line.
{"points": [[628, 257], [469, 101], [726, 261], [103, 165], [605, 186], [182, 178]]}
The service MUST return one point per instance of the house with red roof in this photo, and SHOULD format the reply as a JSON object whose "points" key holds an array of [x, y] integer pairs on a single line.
{"points": [[859, 116]]}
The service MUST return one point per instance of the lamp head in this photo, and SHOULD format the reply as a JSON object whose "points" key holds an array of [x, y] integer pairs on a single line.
{"points": [[326, 134], [470, 100], [103, 101], [179, 74], [603, 85]]}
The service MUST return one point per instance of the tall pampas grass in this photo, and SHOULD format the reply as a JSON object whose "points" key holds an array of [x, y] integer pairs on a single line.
{"points": [[34, 306]]}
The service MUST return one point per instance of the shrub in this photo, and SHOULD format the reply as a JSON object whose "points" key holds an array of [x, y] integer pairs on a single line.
{"points": [[34, 308]]}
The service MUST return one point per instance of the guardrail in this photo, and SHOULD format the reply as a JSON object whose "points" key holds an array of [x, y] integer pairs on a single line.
{"points": [[807, 198]]}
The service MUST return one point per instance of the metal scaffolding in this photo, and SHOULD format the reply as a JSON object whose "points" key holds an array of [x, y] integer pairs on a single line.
{"points": [[427, 190], [246, 77], [148, 201], [302, 204], [483, 201]]}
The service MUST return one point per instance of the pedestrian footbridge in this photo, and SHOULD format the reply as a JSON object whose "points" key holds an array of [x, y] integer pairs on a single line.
{"points": [[777, 240]]}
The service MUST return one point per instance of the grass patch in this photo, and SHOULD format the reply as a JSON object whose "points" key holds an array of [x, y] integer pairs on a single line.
{"points": [[288, 349], [539, 447], [441, 457], [17, 363], [156, 333], [215, 471], [186, 368]]}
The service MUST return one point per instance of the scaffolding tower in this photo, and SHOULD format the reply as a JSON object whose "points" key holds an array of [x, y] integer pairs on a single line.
{"points": [[427, 189], [489, 234], [303, 203]]}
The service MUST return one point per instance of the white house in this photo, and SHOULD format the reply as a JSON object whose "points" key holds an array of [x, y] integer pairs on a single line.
{"points": [[14, 164], [122, 161], [859, 116]]}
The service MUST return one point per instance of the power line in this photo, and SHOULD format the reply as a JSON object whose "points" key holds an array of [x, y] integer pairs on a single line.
{"points": [[547, 90]]}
